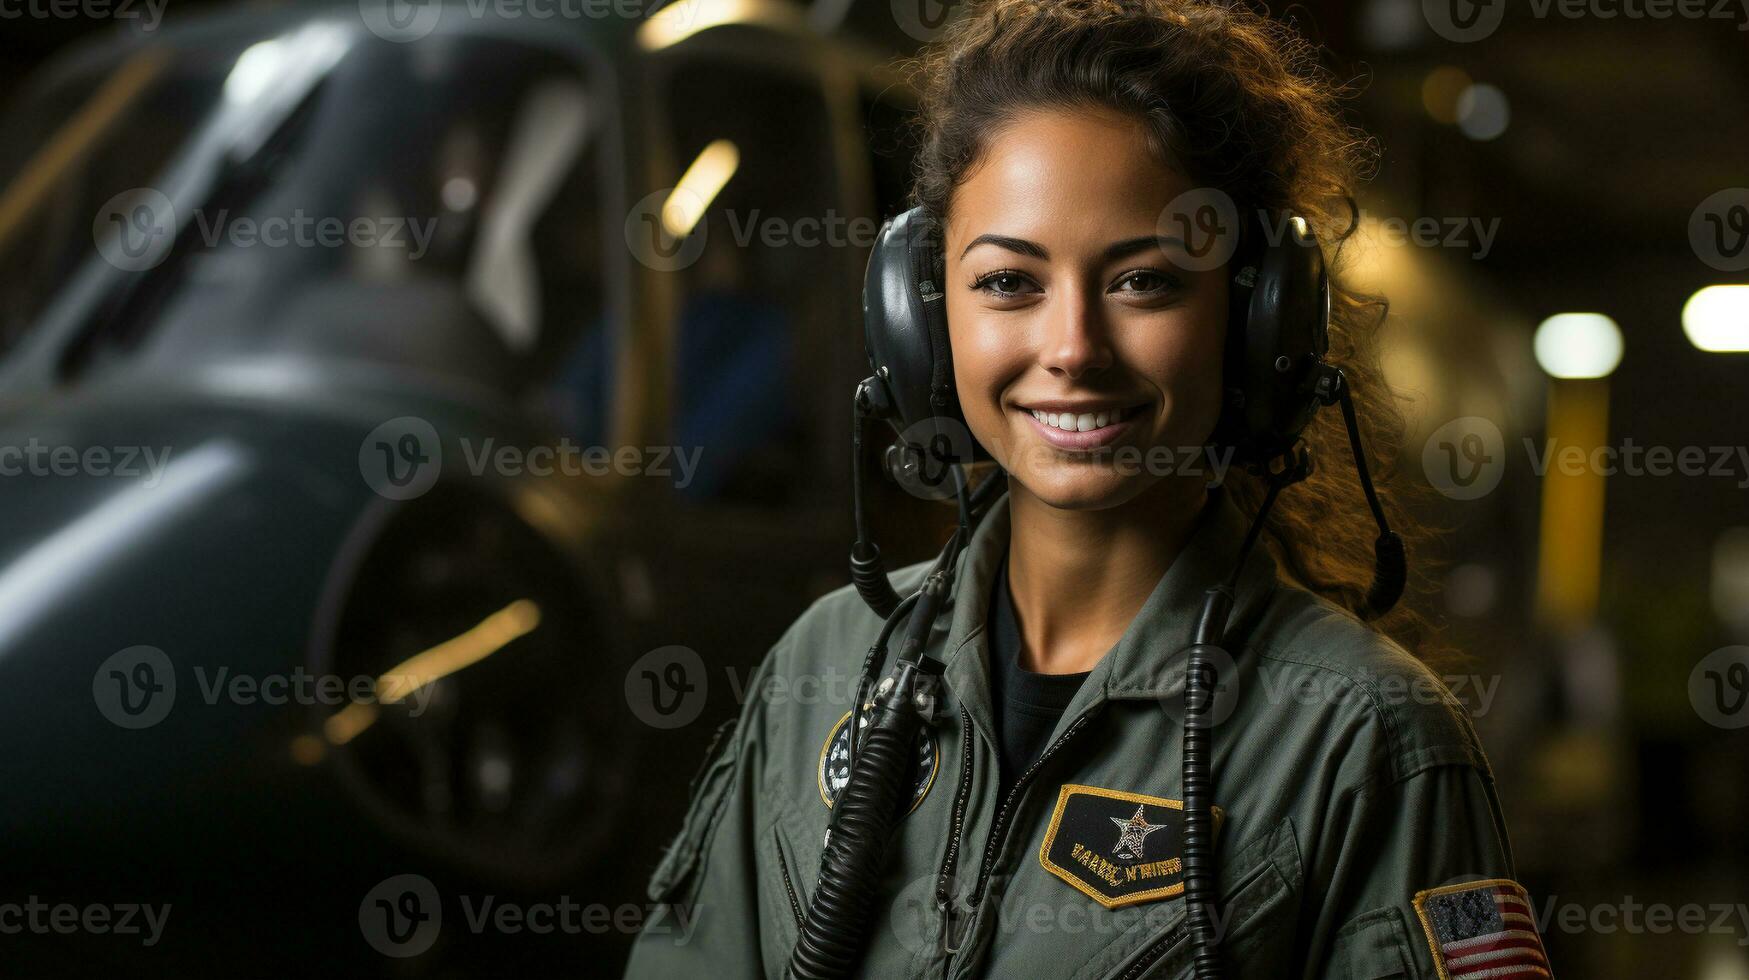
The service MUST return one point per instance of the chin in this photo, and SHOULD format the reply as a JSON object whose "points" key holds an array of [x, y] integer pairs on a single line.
{"points": [[1065, 489]]}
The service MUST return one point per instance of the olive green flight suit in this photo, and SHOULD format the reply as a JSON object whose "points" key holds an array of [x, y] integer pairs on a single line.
{"points": [[1349, 783]]}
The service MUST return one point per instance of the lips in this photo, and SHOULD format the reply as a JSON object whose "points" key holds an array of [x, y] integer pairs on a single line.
{"points": [[1080, 427]]}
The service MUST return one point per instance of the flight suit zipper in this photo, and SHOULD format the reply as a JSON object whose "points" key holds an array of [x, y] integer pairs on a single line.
{"points": [[795, 905], [1154, 952], [998, 831], [944, 882]]}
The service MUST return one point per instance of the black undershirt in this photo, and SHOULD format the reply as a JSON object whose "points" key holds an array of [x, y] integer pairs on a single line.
{"points": [[1026, 705]]}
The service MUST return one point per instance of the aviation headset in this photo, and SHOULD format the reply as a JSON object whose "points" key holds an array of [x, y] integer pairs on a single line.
{"points": [[1275, 381]]}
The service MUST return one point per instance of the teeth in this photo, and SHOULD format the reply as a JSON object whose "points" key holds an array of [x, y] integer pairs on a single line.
{"points": [[1073, 422]]}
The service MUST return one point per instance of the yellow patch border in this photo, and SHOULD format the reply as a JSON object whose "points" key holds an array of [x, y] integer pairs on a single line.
{"points": [[1420, 903], [826, 746], [1070, 878]]}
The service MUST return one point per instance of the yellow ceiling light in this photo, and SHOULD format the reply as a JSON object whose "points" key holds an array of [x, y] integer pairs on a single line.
{"points": [[684, 18], [698, 187], [400, 682]]}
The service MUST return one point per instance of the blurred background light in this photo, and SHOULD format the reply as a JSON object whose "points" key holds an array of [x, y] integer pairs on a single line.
{"points": [[1441, 91], [679, 21], [1578, 345], [1471, 590], [1731, 579], [1483, 113], [255, 71], [698, 187], [460, 193], [1716, 319], [1393, 25]]}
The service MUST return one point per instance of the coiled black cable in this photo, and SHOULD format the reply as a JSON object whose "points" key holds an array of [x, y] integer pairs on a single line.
{"points": [[1201, 681], [863, 819], [882, 761]]}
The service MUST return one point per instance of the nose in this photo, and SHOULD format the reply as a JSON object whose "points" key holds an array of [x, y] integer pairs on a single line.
{"points": [[1076, 338]]}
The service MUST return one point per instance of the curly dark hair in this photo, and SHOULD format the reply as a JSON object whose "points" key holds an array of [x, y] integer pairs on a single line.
{"points": [[1240, 103]]}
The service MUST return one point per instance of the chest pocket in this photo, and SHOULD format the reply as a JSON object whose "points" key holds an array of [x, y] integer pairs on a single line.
{"points": [[1259, 902], [1375, 946]]}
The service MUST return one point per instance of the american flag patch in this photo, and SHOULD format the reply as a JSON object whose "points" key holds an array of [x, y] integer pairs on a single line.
{"points": [[1483, 930]]}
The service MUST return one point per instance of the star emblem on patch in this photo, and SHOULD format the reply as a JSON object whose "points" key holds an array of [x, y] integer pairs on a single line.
{"points": [[1141, 862], [1133, 834]]}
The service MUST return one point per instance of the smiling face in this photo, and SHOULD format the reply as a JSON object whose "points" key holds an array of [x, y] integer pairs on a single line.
{"points": [[1087, 358]]}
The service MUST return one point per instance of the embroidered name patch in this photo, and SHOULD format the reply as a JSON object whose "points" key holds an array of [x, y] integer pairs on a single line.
{"points": [[1116, 848], [834, 766], [1483, 929]]}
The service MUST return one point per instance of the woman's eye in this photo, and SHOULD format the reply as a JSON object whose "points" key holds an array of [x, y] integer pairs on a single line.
{"points": [[1145, 281], [1003, 283]]}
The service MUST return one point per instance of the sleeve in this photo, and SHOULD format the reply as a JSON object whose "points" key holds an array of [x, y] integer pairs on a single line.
{"points": [[705, 886], [1423, 887]]}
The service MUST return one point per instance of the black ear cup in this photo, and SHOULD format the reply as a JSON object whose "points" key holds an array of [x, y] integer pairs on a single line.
{"points": [[1277, 336], [904, 318]]}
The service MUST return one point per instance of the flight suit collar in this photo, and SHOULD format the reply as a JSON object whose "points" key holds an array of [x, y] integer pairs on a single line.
{"points": [[1148, 660]]}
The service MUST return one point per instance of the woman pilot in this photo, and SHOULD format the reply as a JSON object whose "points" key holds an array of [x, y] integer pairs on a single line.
{"points": [[1356, 830]]}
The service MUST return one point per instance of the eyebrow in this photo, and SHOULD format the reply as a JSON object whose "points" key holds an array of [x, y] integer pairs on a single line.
{"points": [[1017, 245], [1113, 252]]}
